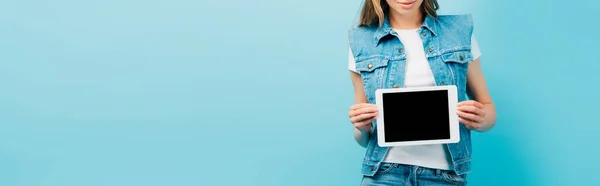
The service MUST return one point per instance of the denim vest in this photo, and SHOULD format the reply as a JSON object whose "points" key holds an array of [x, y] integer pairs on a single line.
{"points": [[381, 61]]}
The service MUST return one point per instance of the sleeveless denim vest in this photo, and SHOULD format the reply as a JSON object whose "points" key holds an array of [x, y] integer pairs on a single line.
{"points": [[381, 61]]}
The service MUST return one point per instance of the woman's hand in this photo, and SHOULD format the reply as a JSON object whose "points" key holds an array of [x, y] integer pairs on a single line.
{"points": [[362, 114], [472, 114]]}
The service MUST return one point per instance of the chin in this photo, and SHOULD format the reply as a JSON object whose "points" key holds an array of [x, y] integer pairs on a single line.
{"points": [[406, 12]]}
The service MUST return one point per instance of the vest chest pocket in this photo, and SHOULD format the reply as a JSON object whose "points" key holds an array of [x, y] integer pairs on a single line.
{"points": [[458, 65], [461, 57], [374, 73]]}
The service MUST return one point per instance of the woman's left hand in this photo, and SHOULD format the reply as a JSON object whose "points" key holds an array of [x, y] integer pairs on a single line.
{"points": [[471, 113]]}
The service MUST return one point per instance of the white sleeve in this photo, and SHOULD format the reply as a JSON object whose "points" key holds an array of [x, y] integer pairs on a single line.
{"points": [[475, 48], [351, 62]]}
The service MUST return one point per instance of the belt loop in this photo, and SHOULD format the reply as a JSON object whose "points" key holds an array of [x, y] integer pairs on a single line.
{"points": [[438, 172]]}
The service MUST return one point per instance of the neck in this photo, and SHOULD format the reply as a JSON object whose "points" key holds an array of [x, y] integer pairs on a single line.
{"points": [[411, 21]]}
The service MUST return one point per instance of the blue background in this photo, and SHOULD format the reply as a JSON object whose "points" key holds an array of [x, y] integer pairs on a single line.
{"points": [[184, 92]]}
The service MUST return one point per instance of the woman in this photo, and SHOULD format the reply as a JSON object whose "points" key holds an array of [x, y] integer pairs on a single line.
{"points": [[407, 39]]}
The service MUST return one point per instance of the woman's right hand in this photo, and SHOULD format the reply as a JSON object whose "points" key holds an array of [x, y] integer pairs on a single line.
{"points": [[362, 114]]}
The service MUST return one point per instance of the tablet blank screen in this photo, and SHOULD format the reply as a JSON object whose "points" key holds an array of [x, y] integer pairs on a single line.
{"points": [[414, 116]]}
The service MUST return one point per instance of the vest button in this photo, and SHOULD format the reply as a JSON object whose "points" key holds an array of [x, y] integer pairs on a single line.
{"points": [[424, 34], [372, 168], [369, 66], [460, 57], [400, 50], [459, 166], [430, 50], [442, 83], [395, 86]]}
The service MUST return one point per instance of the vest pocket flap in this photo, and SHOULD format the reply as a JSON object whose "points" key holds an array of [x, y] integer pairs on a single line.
{"points": [[369, 65], [458, 57]]}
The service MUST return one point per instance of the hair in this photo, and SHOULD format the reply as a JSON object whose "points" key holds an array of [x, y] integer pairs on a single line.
{"points": [[374, 11]]}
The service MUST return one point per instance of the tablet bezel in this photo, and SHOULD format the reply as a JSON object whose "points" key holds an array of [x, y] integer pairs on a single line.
{"points": [[452, 120]]}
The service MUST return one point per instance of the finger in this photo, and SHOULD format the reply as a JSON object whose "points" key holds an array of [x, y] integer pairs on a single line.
{"points": [[471, 103], [468, 102], [467, 123], [468, 108], [464, 103], [361, 111], [470, 116], [355, 106], [472, 109], [366, 122], [368, 109], [470, 124], [362, 117], [359, 105]]}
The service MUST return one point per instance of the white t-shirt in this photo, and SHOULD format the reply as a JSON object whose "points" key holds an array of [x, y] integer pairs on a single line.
{"points": [[418, 73]]}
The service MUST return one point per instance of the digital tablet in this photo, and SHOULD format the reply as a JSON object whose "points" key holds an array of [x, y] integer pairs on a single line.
{"points": [[417, 116]]}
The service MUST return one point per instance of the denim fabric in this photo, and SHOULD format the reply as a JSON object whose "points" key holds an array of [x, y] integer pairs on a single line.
{"points": [[392, 174], [381, 61]]}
